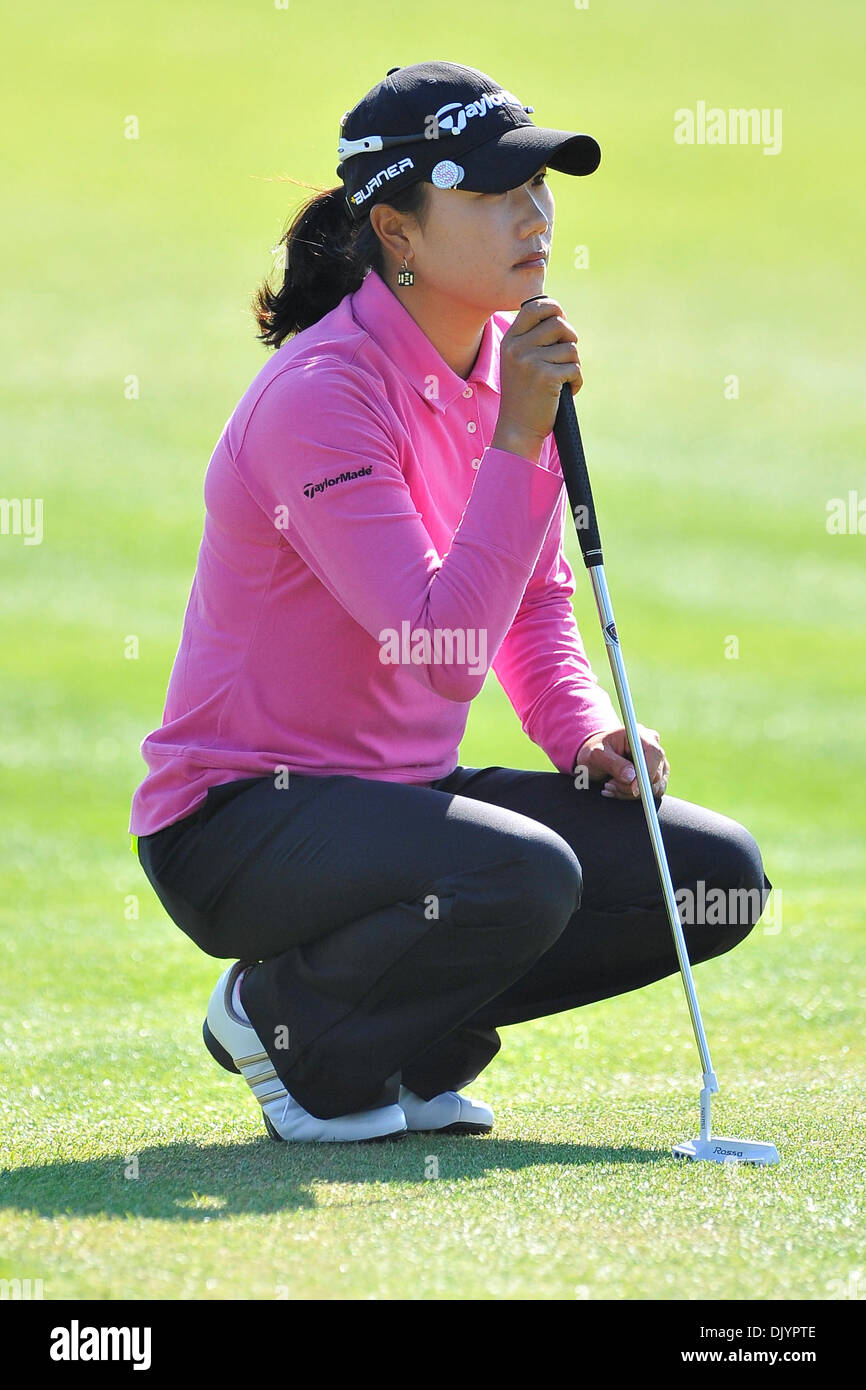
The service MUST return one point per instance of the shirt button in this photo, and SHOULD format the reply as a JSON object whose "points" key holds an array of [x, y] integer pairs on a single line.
{"points": [[472, 427], [468, 392], [476, 463]]}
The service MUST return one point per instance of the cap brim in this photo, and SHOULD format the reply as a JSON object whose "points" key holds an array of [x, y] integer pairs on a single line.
{"points": [[515, 155]]}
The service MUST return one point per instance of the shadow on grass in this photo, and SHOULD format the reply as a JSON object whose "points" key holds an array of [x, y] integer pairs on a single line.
{"points": [[196, 1183]]}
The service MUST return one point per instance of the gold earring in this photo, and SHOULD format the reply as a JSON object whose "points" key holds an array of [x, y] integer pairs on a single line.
{"points": [[404, 275]]}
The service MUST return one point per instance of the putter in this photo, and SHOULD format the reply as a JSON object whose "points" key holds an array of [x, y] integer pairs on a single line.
{"points": [[566, 433]]}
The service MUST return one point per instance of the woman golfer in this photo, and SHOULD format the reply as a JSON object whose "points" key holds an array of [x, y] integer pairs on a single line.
{"points": [[384, 524]]}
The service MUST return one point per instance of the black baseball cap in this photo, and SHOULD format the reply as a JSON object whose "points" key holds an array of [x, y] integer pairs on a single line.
{"points": [[453, 126]]}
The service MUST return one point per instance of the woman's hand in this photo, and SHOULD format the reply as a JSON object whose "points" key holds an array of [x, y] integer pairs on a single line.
{"points": [[537, 355], [606, 755]]}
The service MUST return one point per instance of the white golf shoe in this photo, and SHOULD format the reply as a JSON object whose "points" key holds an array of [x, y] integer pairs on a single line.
{"points": [[235, 1044], [448, 1113]]}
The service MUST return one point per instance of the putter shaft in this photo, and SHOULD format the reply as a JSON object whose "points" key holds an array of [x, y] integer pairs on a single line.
{"points": [[576, 477], [617, 666]]}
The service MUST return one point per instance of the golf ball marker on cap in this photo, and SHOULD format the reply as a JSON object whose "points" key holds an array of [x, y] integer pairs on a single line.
{"points": [[447, 174], [451, 126]]}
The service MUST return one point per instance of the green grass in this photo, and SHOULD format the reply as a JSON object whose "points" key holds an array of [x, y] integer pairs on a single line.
{"points": [[139, 257]]}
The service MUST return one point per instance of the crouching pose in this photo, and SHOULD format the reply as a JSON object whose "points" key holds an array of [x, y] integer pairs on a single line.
{"points": [[385, 517]]}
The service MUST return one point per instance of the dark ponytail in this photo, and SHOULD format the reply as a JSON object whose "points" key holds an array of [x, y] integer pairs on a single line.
{"points": [[327, 257]]}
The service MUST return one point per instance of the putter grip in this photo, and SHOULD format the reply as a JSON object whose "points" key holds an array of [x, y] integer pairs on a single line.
{"points": [[570, 449]]}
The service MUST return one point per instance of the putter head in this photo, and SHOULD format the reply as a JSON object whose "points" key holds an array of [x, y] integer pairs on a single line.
{"points": [[722, 1150]]}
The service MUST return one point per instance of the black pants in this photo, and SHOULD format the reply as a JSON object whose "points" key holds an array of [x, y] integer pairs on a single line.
{"points": [[397, 927]]}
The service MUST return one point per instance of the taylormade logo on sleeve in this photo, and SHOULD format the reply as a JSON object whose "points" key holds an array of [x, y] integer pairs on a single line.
{"points": [[310, 489]]}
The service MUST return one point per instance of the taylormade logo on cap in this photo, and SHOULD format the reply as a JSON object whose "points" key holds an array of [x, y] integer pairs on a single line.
{"points": [[454, 117]]}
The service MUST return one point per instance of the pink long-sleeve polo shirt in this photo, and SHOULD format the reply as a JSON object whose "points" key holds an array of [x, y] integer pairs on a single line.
{"points": [[366, 558]]}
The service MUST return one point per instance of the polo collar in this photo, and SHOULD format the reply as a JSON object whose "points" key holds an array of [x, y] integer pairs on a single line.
{"points": [[381, 314]]}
